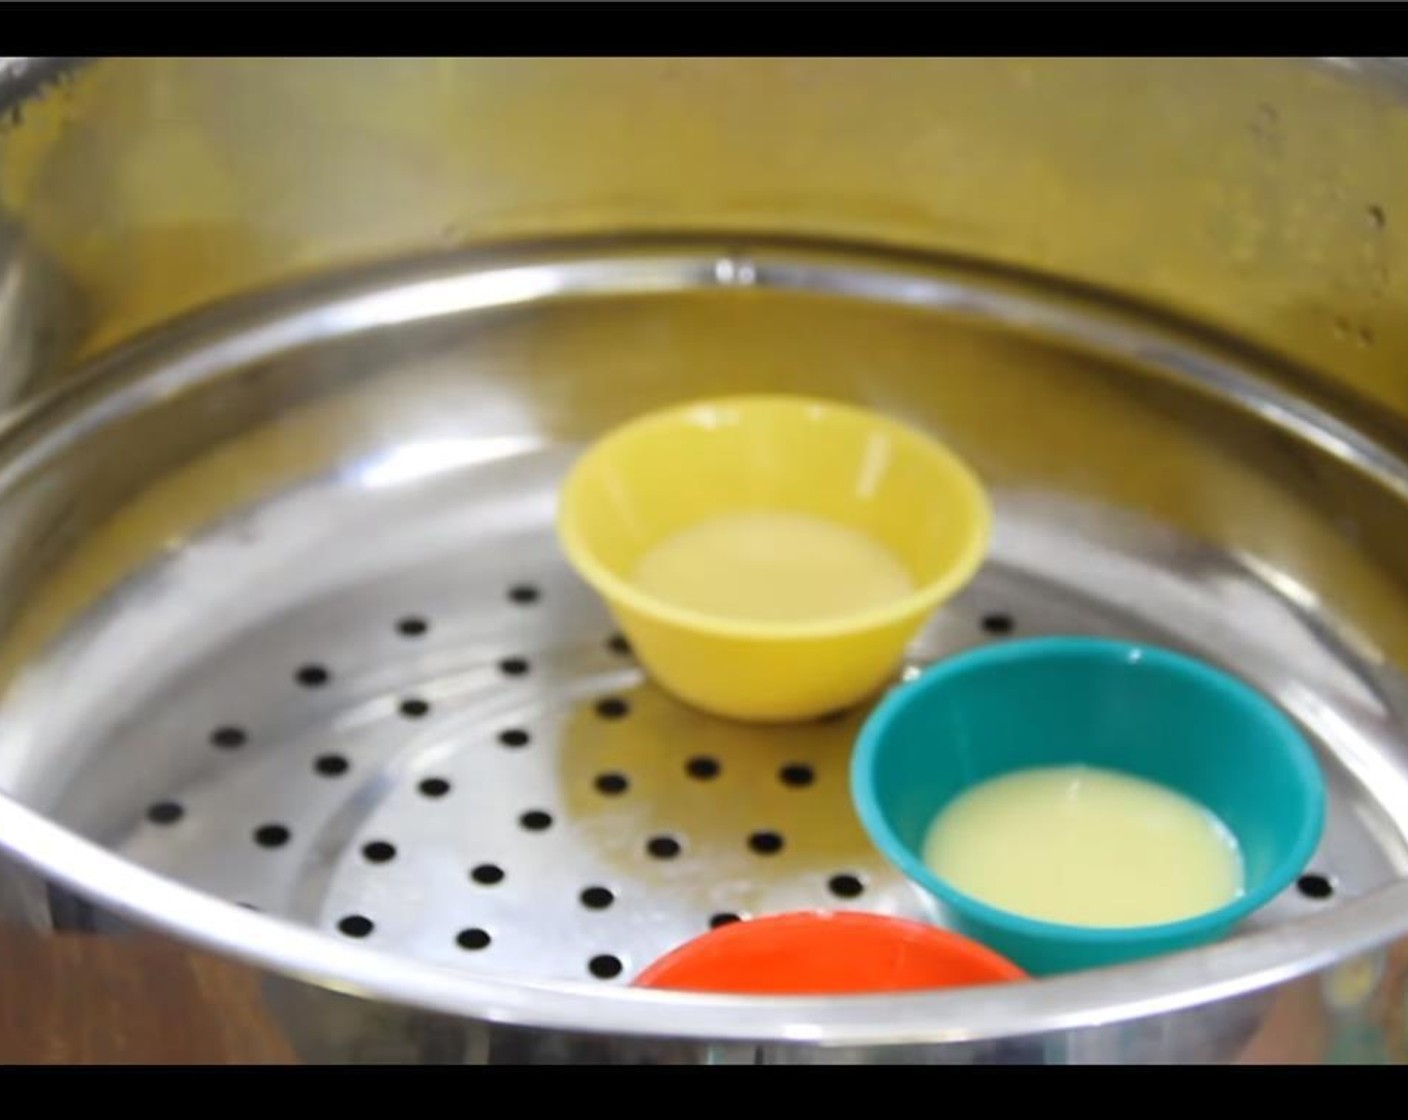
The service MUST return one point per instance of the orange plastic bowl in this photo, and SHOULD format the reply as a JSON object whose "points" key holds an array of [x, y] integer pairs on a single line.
{"points": [[826, 954]]}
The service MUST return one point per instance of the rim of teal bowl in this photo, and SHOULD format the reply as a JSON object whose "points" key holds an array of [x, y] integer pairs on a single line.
{"points": [[1298, 754]]}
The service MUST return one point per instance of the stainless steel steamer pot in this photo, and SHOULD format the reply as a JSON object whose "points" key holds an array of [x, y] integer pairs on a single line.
{"points": [[293, 354]]}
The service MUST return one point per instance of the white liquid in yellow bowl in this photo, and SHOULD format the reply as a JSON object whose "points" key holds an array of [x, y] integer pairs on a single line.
{"points": [[1086, 847], [772, 567]]}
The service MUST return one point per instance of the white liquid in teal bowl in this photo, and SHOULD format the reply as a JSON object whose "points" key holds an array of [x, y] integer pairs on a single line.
{"points": [[1085, 846]]}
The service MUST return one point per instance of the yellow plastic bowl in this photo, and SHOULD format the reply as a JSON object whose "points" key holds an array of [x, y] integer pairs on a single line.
{"points": [[670, 470]]}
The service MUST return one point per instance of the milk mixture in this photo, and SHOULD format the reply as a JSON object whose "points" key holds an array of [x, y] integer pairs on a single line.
{"points": [[772, 567], [1085, 847]]}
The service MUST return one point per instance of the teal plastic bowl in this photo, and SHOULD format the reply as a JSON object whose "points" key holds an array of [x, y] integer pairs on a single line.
{"points": [[1083, 701]]}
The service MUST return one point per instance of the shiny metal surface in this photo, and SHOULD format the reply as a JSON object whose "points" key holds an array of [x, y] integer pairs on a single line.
{"points": [[1177, 360], [290, 478], [499, 865], [1258, 195]]}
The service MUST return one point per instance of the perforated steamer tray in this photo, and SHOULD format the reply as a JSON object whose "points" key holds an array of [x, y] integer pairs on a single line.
{"points": [[373, 699], [463, 763]]}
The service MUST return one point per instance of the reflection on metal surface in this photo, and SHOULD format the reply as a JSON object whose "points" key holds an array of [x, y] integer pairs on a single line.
{"points": [[427, 458], [1242, 192], [1349, 986], [38, 316]]}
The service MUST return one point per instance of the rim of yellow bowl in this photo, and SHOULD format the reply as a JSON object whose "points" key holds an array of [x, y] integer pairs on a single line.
{"points": [[922, 599]]}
